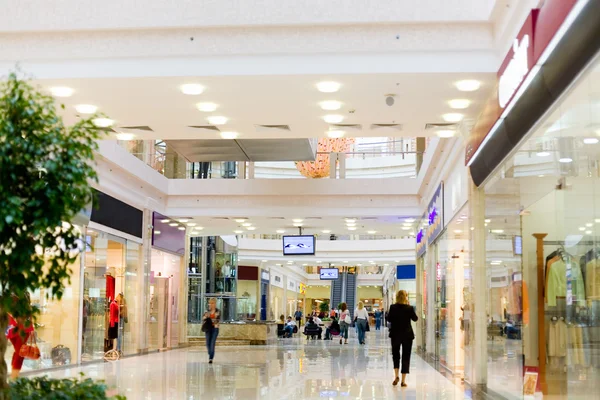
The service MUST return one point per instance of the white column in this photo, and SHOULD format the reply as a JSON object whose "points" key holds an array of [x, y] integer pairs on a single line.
{"points": [[342, 160], [332, 165], [144, 281], [250, 169]]}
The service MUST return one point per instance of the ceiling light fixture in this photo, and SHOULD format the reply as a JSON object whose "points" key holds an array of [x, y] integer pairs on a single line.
{"points": [[328, 87], [497, 231], [297, 220], [217, 120], [459, 104], [157, 232], [247, 224], [371, 232], [468, 85], [350, 220], [406, 228], [198, 228], [62, 91], [591, 141], [335, 134], [445, 133], [165, 221], [589, 225], [207, 107], [280, 230], [326, 231], [333, 118], [581, 228], [330, 105], [86, 108], [298, 224], [184, 220], [192, 224], [238, 231], [264, 260], [181, 228], [103, 122], [240, 220], [411, 220], [251, 228], [351, 228], [542, 154], [173, 224], [229, 135], [487, 221], [125, 137], [457, 231], [192, 89], [565, 160], [588, 232], [453, 117]]}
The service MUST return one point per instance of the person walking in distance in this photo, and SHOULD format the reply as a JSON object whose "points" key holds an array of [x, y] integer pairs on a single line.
{"points": [[361, 317], [210, 326], [345, 322], [401, 333]]}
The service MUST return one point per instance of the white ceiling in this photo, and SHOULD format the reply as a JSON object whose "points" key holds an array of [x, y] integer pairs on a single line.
{"points": [[248, 101]]}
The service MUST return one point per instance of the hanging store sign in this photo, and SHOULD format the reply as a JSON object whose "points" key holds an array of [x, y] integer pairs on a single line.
{"points": [[435, 215], [302, 288], [277, 280], [291, 285], [421, 237], [515, 71]]}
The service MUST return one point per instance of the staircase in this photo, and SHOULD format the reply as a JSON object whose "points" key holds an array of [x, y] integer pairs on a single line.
{"points": [[336, 292], [351, 293]]}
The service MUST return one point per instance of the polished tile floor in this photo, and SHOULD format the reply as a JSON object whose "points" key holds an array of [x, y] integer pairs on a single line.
{"points": [[292, 369]]}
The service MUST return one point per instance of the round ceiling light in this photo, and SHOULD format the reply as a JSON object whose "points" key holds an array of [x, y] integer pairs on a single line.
{"points": [[207, 107], [297, 220], [238, 232], [333, 118], [192, 89], [181, 228], [229, 135], [125, 136], [335, 134], [330, 105], [61, 91], [173, 224], [565, 160], [445, 133], [103, 122], [298, 224], [468, 85], [453, 117], [247, 224], [326, 231], [351, 228], [371, 232], [280, 230], [350, 220], [240, 220], [86, 108], [217, 120], [328, 87], [591, 141], [542, 154], [251, 228], [459, 104]]}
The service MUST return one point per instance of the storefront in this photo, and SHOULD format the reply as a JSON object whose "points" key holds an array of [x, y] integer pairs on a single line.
{"points": [[542, 201], [277, 305], [247, 293], [265, 278], [291, 297], [316, 295]]}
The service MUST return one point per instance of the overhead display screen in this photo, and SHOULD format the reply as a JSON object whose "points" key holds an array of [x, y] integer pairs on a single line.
{"points": [[329, 274], [300, 245]]}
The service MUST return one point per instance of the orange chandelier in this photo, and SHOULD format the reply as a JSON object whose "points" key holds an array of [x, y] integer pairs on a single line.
{"points": [[320, 167]]}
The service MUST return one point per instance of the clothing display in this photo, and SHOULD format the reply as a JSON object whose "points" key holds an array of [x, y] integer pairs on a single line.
{"points": [[110, 287], [557, 338], [592, 279]]}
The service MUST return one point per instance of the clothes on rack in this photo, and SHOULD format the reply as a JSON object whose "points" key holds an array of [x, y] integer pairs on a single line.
{"points": [[556, 281], [110, 287], [592, 279], [557, 338]]}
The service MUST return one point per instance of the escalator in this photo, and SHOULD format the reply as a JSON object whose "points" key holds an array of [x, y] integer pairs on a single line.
{"points": [[351, 301]]}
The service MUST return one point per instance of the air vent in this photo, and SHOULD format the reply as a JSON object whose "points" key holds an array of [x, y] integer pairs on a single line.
{"points": [[441, 126], [278, 218], [139, 128], [205, 127], [272, 128], [397, 127], [352, 127], [221, 218]]}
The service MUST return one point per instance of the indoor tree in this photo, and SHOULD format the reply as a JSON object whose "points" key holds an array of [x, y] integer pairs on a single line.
{"points": [[45, 173]]}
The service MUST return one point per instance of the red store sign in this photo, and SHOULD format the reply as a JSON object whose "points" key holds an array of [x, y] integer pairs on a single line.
{"points": [[534, 37]]}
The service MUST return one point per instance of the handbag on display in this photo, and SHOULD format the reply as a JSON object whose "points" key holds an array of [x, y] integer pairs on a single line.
{"points": [[29, 349], [61, 355]]}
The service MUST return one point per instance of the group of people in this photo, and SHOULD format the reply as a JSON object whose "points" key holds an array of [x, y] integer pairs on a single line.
{"points": [[398, 318]]}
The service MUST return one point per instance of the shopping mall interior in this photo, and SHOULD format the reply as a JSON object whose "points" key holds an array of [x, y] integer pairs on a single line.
{"points": [[282, 158]]}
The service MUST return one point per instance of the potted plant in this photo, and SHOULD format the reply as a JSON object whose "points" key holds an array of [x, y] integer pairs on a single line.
{"points": [[45, 173], [68, 389]]}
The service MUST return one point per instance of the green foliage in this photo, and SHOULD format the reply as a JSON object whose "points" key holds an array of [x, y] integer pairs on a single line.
{"points": [[58, 389], [45, 174], [324, 306]]}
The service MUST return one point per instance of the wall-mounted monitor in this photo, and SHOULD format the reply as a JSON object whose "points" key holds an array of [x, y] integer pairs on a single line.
{"points": [[329, 274], [300, 245], [518, 245]]}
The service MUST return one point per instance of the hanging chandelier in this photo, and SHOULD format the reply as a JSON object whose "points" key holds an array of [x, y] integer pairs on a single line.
{"points": [[320, 167]]}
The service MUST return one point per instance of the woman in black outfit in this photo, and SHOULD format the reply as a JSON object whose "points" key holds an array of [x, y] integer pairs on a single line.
{"points": [[401, 333]]}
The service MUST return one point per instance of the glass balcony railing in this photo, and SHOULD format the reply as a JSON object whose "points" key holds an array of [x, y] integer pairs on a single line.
{"points": [[370, 158]]}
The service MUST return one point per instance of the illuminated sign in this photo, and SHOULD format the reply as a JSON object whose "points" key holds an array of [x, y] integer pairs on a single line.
{"points": [[435, 215], [515, 72]]}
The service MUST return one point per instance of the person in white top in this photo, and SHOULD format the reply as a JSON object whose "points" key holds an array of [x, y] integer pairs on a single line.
{"points": [[361, 316]]}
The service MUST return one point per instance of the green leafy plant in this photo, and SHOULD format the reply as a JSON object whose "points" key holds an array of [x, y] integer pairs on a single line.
{"points": [[59, 389], [45, 173], [324, 306]]}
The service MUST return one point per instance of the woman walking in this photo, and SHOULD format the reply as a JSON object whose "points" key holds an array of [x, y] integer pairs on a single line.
{"points": [[210, 326], [345, 321], [361, 316], [401, 333]]}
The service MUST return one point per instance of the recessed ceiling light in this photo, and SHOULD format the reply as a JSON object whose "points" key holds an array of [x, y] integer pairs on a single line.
{"points": [[372, 262], [457, 231], [229, 135], [103, 122], [304, 265], [542, 154], [333, 118], [238, 231], [472, 228], [240, 220], [217, 120], [173, 224], [597, 221], [125, 136], [319, 261], [497, 231], [459, 104], [445, 133], [453, 117], [371, 232], [487, 221], [264, 260], [328, 87], [406, 228], [290, 262], [496, 262], [86, 108], [192, 89], [62, 91], [326, 231], [589, 224], [581, 228], [298, 224], [191, 224], [157, 232], [198, 228], [183, 220], [335, 134], [165, 221], [591, 141], [588, 232], [251, 228], [330, 105], [247, 224], [352, 228], [540, 176], [207, 107], [467, 85], [181, 228], [350, 220], [345, 261], [359, 265], [280, 230], [411, 220], [565, 160], [297, 220]]}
